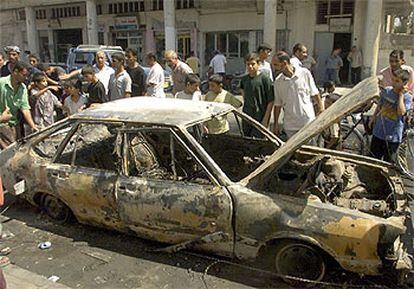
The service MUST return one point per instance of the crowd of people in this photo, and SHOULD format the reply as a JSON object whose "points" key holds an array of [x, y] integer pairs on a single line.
{"points": [[35, 94]]}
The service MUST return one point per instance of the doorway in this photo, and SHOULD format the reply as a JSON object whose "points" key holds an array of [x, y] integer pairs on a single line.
{"points": [[325, 42], [343, 41], [65, 39]]}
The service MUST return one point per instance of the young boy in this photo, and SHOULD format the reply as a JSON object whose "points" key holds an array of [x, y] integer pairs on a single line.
{"points": [[191, 90], [96, 89], [43, 101], [258, 95], [75, 102], [216, 93], [388, 118]]}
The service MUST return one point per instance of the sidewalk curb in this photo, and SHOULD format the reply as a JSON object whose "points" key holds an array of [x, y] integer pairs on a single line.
{"points": [[18, 278]]}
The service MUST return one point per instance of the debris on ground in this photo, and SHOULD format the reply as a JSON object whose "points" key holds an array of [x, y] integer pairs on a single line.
{"points": [[53, 278], [45, 245]]}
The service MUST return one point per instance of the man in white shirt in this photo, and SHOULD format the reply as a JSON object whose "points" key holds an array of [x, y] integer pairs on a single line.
{"points": [[155, 78], [299, 53], [120, 83], [218, 64], [264, 50], [294, 90], [355, 57]]}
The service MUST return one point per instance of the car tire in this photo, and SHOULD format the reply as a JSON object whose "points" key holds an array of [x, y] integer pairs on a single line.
{"points": [[56, 209], [299, 260]]}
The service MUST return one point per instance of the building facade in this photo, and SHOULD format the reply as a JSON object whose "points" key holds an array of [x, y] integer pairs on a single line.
{"points": [[50, 27]]}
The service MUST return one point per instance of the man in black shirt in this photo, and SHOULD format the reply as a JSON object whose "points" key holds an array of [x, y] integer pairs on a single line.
{"points": [[96, 89], [136, 72]]}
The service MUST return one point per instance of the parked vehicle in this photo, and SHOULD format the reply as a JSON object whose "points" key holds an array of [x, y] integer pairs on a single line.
{"points": [[146, 166], [85, 54]]}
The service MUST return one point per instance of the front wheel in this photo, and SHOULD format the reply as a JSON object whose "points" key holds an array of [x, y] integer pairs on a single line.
{"points": [[299, 260], [56, 209]]}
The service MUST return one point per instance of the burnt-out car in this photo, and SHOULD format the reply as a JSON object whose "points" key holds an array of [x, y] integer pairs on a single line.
{"points": [[150, 167]]}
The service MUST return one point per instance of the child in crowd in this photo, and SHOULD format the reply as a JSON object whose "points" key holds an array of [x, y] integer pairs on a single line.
{"points": [[388, 119], [96, 89], [216, 93], [191, 90], [76, 101], [43, 101]]}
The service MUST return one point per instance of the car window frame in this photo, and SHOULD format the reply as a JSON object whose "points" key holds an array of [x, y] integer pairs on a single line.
{"points": [[68, 137], [128, 130]]}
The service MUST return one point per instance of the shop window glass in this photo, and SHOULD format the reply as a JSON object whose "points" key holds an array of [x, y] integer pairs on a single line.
{"points": [[244, 44], [233, 48], [222, 42]]}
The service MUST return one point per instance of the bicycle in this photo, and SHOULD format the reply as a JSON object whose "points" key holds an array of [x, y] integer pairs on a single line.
{"points": [[405, 152]]}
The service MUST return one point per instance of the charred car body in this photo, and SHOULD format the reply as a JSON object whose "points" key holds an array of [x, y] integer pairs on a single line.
{"points": [[146, 166]]}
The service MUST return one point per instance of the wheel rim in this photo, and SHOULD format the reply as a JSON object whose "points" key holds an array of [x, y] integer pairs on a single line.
{"points": [[56, 209], [300, 260]]}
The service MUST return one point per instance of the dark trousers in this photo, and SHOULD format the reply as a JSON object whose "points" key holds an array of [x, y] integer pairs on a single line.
{"points": [[355, 75], [384, 150]]}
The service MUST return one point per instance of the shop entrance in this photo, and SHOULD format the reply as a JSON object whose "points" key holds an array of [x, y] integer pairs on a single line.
{"points": [[325, 42], [184, 45], [65, 39]]}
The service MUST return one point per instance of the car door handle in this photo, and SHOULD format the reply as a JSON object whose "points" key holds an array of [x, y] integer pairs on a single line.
{"points": [[60, 176]]}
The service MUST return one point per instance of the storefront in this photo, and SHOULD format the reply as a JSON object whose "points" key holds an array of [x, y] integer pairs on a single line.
{"points": [[126, 33]]}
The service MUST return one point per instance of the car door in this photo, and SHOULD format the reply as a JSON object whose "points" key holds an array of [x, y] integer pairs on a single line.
{"points": [[166, 194], [84, 172]]}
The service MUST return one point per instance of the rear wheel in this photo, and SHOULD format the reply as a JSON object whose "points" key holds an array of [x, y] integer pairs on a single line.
{"points": [[299, 260], [56, 209], [405, 155]]}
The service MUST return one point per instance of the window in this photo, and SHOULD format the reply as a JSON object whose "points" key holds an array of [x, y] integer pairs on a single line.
{"points": [[400, 22], [65, 12], [21, 15], [157, 5], [184, 4], [231, 44], [47, 147], [41, 14], [159, 154], [333, 7], [99, 9], [236, 153], [92, 146]]}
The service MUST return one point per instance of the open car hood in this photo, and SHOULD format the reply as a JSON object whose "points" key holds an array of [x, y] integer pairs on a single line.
{"points": [[355, 98]]}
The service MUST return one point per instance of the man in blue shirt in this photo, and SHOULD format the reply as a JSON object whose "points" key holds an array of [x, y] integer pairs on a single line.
{"points": [[388, 118]]}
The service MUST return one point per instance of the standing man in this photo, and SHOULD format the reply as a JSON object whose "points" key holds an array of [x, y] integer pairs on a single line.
{"points": [[217, 64], [194, 63], [333, 65], [396, 60], [120, 84], [264, 50], [257, 91], [14, 100], [13, 55], [355, 58], [155, 79], [299, 54], [136, 72], [180, 70], [294, 90]]}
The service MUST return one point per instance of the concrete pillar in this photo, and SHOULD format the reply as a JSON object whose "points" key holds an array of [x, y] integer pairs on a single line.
{"points": [[252, 41], [359, 23], [202, 54], [32, 35], [169, 23], [269, 25], [371, 39], [194, 41], [91, 22], [51, 45]]}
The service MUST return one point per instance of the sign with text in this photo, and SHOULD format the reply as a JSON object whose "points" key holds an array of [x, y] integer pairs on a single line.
{"points": [[340, 24], [126, 23]]}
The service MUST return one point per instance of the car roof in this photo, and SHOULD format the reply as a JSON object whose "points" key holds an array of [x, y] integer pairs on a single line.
{"points": [[94, 48], [153, 110]]}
